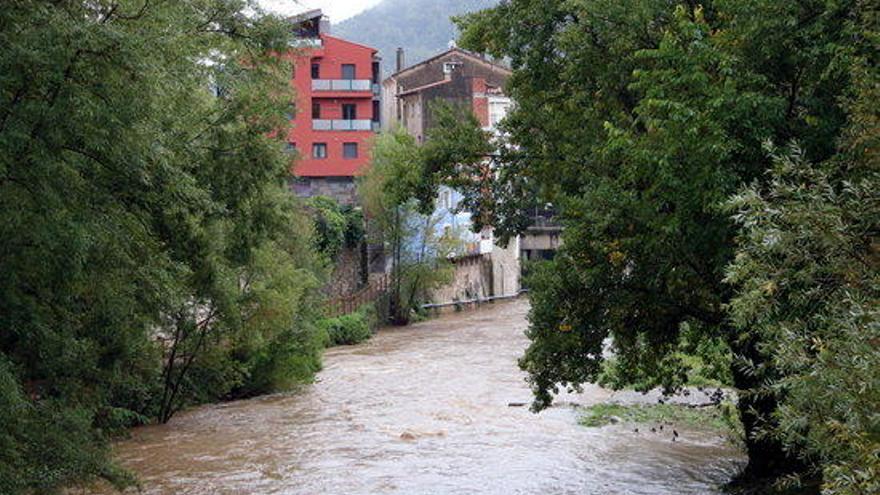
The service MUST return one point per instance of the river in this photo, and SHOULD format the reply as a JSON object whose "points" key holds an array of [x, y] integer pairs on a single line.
{"points": [[421, 410]]}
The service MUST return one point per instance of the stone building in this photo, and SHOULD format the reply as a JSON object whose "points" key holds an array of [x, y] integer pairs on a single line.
{"points": [[483, 268], [455, 76]]}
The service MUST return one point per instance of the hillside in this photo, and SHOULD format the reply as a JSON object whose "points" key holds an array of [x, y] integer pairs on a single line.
{"points": [[422, 27]]}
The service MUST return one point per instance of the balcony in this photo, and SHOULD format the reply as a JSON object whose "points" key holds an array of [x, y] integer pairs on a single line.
{"points": [[342, 125], [342, 85], [305, 43]]}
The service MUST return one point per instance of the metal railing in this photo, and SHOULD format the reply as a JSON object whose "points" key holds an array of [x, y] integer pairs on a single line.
{"points": [[341, 85], [341, 125]]}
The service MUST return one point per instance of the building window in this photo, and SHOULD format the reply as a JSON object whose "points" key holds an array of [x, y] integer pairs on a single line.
{"points": [[497, 111], [348, 71], [316, 71], [377, 73], [349, 111], [316, 110], [350, 150], [450, 67], [376, 111], [290, 148], [319, 150]]}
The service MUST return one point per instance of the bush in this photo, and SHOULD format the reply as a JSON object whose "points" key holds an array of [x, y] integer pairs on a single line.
{"points": [[292, 358], [351, 329], [45, 443], [336, 226]]}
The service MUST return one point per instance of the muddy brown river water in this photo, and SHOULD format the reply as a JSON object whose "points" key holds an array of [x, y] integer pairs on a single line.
{"points": [[421, 410]]}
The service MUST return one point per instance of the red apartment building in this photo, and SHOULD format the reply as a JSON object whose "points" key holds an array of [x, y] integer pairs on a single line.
{"points": [[338, 109]]}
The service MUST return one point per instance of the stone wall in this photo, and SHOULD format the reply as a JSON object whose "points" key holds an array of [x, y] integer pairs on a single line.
{"points": [[341, 189], [506, 269], [483, 276], [472, 279]]}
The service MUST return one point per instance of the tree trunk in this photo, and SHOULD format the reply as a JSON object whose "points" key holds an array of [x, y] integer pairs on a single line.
{"points": [[768, 460]]}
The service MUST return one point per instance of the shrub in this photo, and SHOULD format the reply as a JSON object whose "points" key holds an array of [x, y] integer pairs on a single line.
{"points": [[351, 329]]}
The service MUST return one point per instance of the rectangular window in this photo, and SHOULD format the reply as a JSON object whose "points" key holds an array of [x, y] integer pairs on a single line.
{"points": [[450, 67], [348, 71], [316, 110], [376, 73], [290, 148], [316, 71], [350, 150], [376, 111], [497, 111], [319, 150], [349, 111]]}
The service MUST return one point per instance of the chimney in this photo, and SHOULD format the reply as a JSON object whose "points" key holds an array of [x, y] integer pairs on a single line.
{"points": [[400, 59]]}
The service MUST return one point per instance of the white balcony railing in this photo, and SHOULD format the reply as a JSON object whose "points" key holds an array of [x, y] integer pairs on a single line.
{"points": [[341, 85], [342, 125]]}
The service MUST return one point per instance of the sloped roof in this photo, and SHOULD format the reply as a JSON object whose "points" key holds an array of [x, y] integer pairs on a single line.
{"points": [[468, 54], [306, 16]]}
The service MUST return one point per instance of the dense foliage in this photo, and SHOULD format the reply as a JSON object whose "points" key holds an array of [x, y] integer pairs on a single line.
{"points": [[353, 328], [151, 258], [408, 230], [422, 27], [336, 226], [808, 277], [638, 121], [808, 269]]}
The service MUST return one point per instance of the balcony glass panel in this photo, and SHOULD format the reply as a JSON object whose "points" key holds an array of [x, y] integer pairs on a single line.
{"points": [[341, 125], [341, 85]]}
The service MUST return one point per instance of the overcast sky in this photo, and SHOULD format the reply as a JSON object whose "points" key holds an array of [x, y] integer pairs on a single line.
{"points": [[337, 10]]}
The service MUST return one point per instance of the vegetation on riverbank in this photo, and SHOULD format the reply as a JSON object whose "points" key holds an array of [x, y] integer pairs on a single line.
{"points": [[152, 256], [351, 329], [409, 233], [721, 417], [715, 166]]}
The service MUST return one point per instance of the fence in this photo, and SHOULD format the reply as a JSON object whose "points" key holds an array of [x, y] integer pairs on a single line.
{"points": [[346, 305]]}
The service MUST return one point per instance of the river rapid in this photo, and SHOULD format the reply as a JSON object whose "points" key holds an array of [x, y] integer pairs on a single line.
{"points": [[421, 410]]}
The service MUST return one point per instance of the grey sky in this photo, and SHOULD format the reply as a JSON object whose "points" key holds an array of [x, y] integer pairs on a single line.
{"points": [[337, 10]]}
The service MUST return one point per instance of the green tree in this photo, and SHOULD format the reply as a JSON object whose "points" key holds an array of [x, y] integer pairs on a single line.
{"points": [[807, 272], [638, 120], [418, 250], [149, 261]]}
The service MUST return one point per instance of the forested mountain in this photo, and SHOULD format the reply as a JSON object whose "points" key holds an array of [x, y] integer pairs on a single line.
{"points": [[421, 27]]}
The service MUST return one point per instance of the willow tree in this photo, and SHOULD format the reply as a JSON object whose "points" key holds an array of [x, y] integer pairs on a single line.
{"points": [[638, 120], [807, 273], [149, 257]]}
